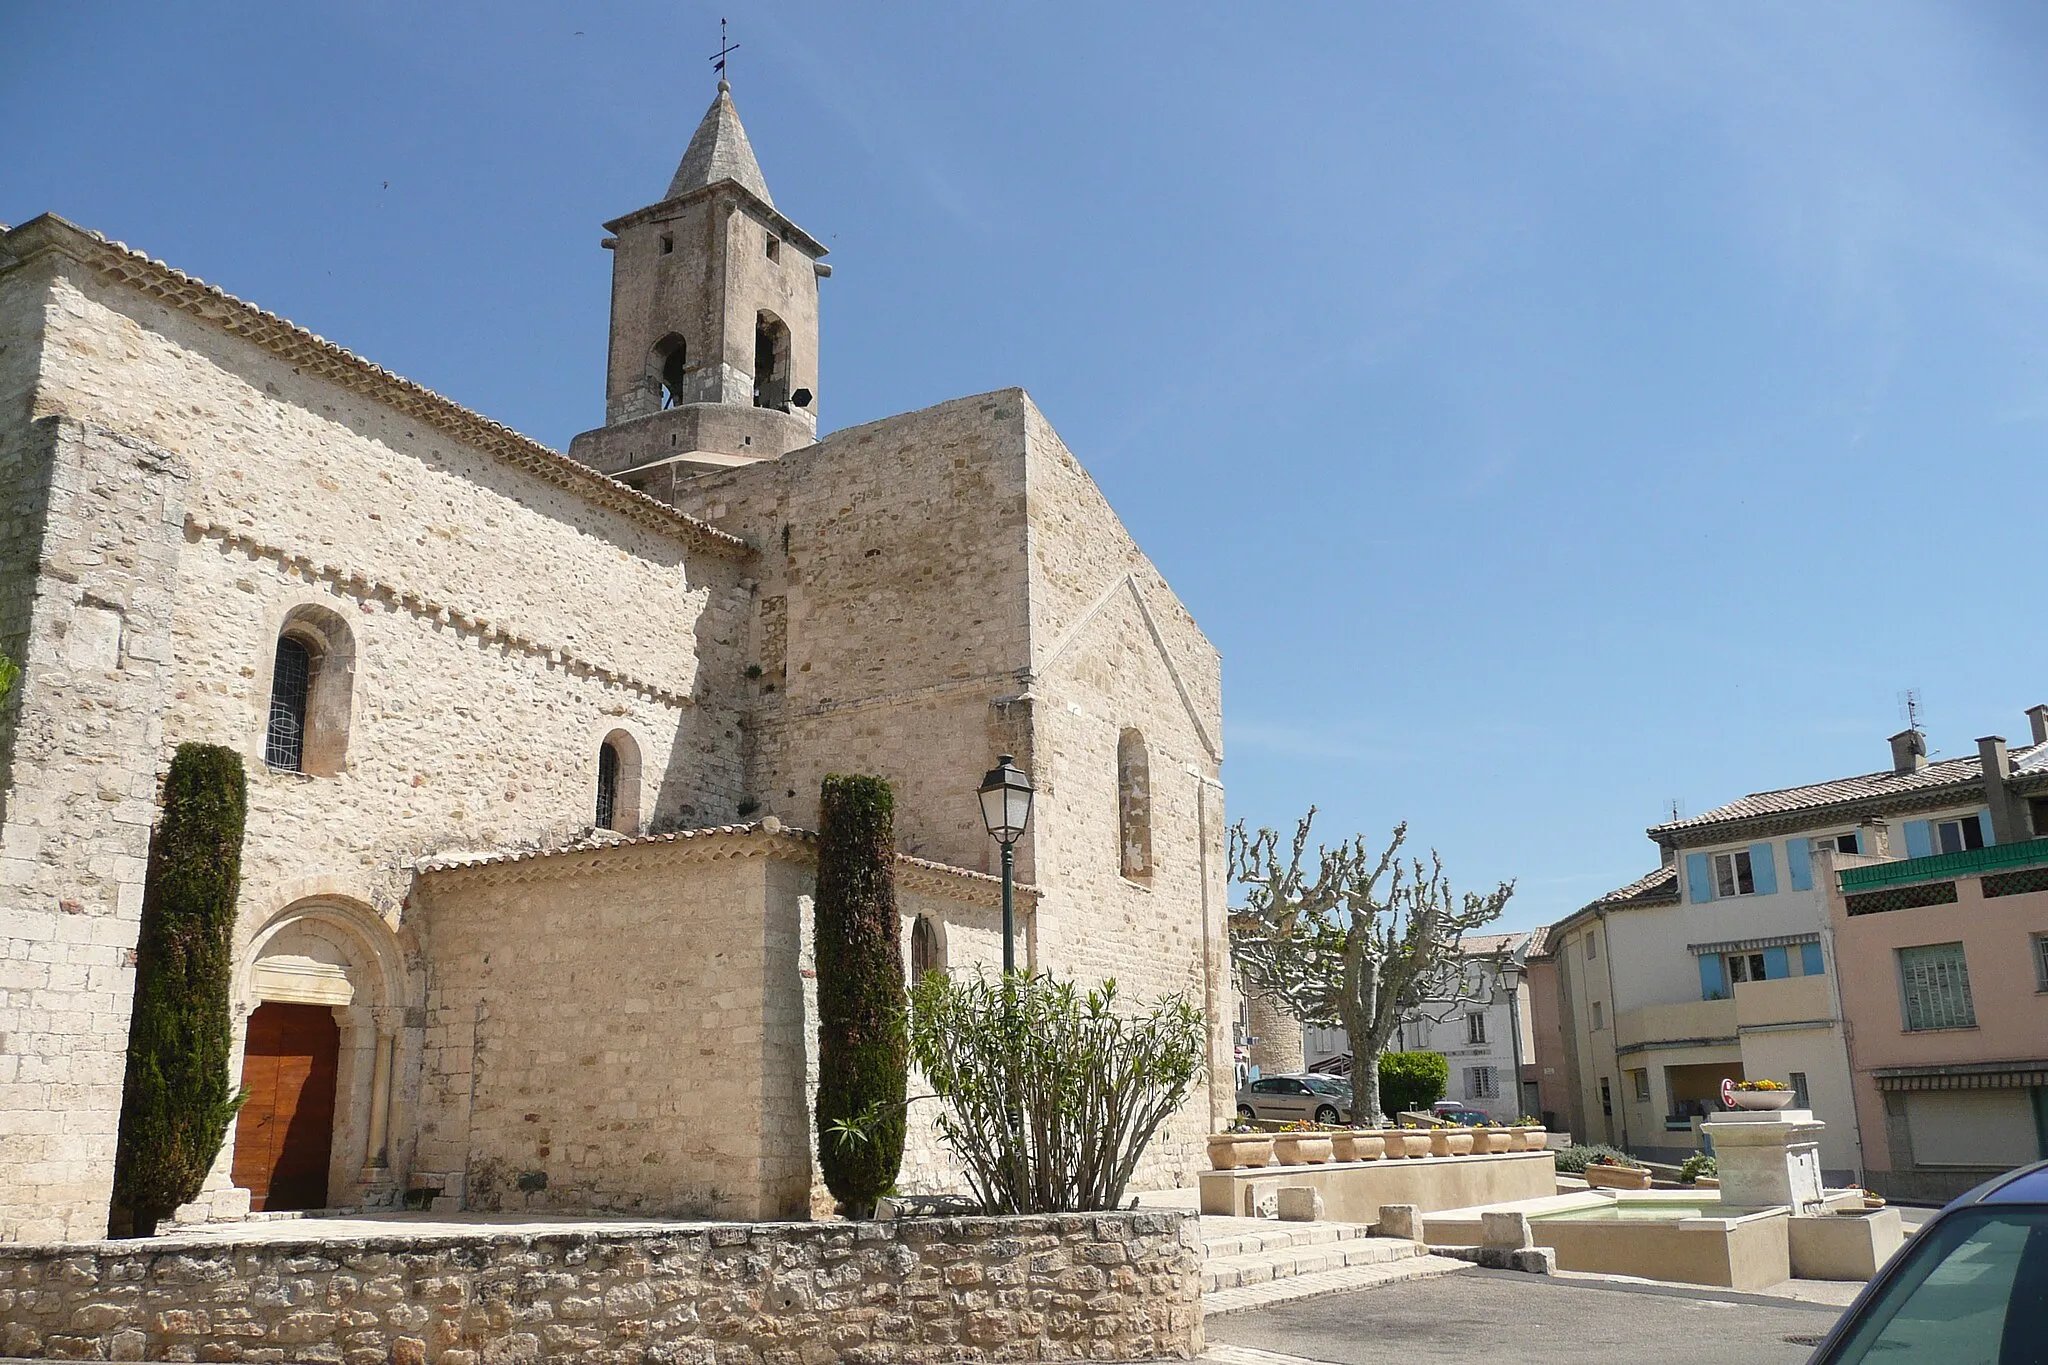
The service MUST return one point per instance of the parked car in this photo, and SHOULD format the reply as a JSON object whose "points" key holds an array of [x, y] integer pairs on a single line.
{"points": [[1972, 1285], [1464, 1118], [1296, 1098]]}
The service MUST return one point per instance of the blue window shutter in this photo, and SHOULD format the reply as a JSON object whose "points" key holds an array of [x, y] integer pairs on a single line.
{"points": [[1799, 862], [1984, 822], [1713, 986], [1764, 867], [1919, 839], [1699, 878], [1777, 963], [1809, 959]]}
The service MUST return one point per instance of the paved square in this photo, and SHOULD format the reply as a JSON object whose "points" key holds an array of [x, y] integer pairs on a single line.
{"points": [[1527, 1318]]}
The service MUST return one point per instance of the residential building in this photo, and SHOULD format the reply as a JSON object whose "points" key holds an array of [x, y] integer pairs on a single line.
{"points": [[1548, 1090], [1944, 985], [1716, 966]]}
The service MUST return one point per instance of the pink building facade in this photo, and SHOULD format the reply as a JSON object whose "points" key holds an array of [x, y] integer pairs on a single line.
{"points": [[1943, 973]]}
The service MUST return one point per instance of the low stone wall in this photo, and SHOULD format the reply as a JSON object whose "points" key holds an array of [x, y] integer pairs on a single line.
{"points": [[1353, 1191], [1111, 1286]]}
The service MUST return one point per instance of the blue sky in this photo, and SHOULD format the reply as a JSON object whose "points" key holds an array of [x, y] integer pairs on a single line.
{"points": [[1551, 410]]}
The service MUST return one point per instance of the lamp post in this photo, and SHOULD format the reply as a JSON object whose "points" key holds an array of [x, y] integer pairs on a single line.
{"points": [[1005, 809]]}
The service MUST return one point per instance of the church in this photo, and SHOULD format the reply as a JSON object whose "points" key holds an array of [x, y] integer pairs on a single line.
{"points": [[534, 740]]}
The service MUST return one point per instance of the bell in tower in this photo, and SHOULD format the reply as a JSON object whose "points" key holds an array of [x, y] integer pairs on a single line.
{"points": [[714, 341]]}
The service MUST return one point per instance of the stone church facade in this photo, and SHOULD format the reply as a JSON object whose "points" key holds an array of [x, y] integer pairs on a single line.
{"points": [[534, 741]]}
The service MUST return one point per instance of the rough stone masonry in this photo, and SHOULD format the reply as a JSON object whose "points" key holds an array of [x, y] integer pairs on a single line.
{"points": [[1113, 1286]]}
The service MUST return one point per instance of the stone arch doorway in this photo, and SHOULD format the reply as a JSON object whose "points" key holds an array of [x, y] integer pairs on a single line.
{"points": [[324, 989]]}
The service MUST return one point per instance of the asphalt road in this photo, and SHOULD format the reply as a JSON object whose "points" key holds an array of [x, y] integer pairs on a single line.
{"points": [[1500, 1315]]}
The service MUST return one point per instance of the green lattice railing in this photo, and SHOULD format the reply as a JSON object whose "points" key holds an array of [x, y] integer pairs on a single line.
{"points": [[1974, 863]]}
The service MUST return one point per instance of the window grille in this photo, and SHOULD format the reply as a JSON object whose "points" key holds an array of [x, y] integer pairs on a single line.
{"points": [[1902, 898], [1935, 982], [607, 785], [2041, 961], [1482, 1082], [284, 743]]}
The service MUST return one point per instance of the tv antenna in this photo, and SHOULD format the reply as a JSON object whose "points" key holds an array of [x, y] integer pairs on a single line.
{"points": [[1676, 807], [724, 49], [1912, 710]]}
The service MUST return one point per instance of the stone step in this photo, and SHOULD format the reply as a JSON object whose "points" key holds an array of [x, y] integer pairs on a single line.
{"points": [[1250, 1235], [1345, 1280], [1259, 1267]]}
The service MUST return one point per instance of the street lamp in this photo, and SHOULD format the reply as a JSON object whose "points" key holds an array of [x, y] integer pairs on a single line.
{"points": [[1005, 809]]}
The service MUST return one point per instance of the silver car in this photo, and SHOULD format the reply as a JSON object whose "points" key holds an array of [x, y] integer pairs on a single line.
{"points": [[1296, 1098]]}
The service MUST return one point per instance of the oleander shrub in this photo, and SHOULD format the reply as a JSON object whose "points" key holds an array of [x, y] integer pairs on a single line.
{"points": [[1052, 1093], [1412, 1080], [863, 1063], [1573, 1160], [178, 1097]]}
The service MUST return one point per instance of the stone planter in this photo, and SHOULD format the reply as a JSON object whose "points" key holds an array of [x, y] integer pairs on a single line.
{"points": [[1764, 1100], [1707, 1182], [1236, 1151], [1301, 1149], [1451, 1141], [1529, 1138], [1357, 1145], [1603, 1177], [1415, 1141], [1487, 1141]]}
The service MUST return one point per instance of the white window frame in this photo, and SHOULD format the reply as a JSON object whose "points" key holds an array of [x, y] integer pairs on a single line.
{"points": [[1731, 870], [1482, 1082], [1640, 1078], [1833, 841], [1752, 967], [1475, 1029], [1959, 824], [1934, 988]]}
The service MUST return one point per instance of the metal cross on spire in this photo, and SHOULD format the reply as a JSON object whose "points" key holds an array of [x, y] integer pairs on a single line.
{"points": [[718, 62]]}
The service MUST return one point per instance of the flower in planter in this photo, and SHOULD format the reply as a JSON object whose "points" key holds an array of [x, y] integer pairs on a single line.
{"points": [[1761, 1085]]}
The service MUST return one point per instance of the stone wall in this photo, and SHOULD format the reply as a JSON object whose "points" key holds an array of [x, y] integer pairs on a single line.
{"points": [[619, 1029], [1116, 1286], [87, 571]]}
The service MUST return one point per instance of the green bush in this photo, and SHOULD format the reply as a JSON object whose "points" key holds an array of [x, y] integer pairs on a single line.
{"points": [[1574, 1160], [1412, 1080], [1052, 1094], [862, 1041], [178, 1097], [1697, 1165]]}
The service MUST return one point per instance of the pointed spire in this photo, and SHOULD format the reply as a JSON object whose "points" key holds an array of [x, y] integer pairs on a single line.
{"points": [[719, 151]]}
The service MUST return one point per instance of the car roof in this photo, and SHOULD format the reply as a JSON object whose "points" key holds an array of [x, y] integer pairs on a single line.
{"points": [[2027, 1185]]}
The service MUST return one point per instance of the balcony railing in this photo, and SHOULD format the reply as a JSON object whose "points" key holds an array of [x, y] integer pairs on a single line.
{"points": [[1945, 866]]}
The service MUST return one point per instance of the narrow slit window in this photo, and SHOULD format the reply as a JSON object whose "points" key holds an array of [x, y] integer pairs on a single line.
{"points": [[607, 785]]}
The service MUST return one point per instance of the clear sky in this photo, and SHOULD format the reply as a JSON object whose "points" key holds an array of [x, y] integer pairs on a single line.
{"points": [[1551, 410]]}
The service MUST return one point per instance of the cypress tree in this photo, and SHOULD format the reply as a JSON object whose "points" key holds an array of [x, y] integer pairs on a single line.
{"points": [[178, 1098], [863, 1042]]}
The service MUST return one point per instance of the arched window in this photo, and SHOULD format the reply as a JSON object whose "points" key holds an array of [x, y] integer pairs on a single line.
{"points": [[925, 952], [312, 674], [618, 783], [667, 368], [771, 363], [1134, 804]]}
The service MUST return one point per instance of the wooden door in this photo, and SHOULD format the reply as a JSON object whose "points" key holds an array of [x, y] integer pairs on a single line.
{"points": [[285, 1132]]}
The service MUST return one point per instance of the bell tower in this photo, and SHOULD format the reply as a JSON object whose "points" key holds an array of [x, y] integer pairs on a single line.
{"points": [[714, 338]]}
